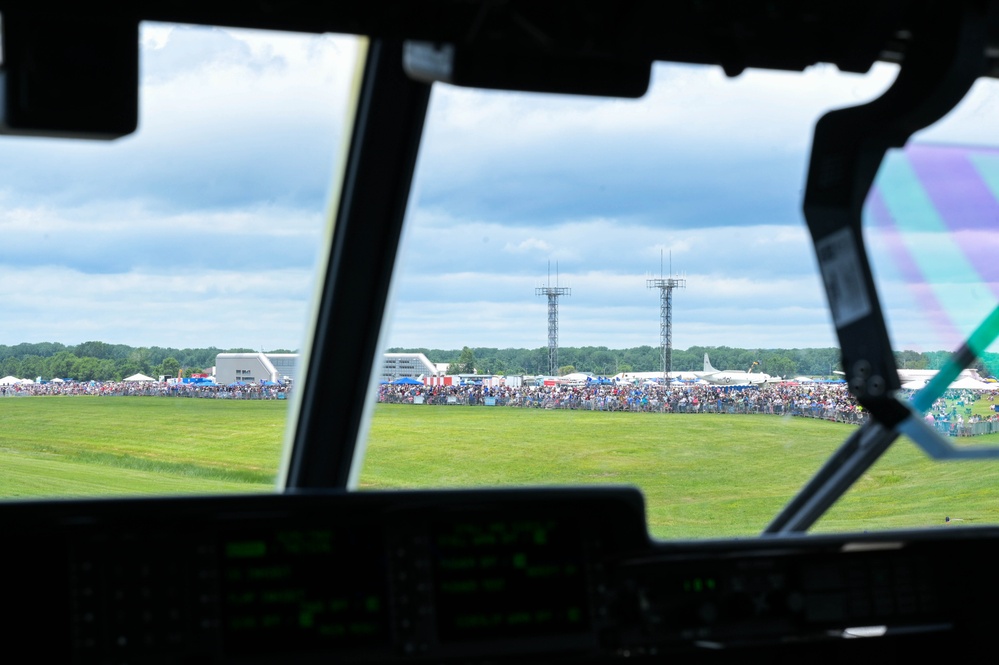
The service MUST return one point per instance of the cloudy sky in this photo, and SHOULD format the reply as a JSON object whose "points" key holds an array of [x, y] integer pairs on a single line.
{"points": [[203, 228]]}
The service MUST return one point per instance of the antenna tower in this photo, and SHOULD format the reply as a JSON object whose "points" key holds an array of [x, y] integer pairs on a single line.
{"points": [[666, 286], [553, 293]]}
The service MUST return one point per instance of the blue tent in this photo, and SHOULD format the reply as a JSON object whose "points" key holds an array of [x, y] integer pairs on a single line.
{"points": [[406, 381]]}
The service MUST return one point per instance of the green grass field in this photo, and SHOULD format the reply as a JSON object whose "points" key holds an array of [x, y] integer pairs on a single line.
{"points": [[703, 475], [137, 445]]}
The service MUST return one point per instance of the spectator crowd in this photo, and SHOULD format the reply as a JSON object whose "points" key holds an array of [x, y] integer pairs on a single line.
{"points": [[145, 388], [829, 401], [951, 414], [819, 400]]}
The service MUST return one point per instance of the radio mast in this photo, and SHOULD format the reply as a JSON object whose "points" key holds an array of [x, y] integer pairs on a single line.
{"points": [[553, 293], [666, 286]]}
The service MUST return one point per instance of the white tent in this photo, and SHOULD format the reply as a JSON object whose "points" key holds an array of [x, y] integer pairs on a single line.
{"points": [[139, 377], [972, 384], [576, 376], [966, 383], [9, 381]]}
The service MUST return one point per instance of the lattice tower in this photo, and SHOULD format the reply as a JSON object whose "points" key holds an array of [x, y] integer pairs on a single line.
{"points": [[666, 286]]}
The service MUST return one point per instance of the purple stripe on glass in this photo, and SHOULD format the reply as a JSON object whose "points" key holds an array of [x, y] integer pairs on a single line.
{"points": [[911, 273], [963, 200]]}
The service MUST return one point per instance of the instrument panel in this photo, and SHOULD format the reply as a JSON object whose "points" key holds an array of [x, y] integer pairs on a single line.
{"points": [[456, 576]]}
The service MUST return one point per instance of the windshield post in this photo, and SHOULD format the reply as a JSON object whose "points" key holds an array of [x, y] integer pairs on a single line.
{"points": [[372, 204]]}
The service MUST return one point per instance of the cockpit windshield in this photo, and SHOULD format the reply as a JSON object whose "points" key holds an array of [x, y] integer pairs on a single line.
{"points": [[589, 291]]}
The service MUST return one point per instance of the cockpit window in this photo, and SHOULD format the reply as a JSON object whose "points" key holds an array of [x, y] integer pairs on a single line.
{"points": [[610, 194], [127, 268], [541, 217]]}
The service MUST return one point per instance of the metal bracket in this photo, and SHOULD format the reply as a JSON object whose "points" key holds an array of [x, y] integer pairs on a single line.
{"points": [[946, 58]]}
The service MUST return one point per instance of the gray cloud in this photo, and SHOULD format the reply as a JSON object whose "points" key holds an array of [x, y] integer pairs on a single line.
{"points": [[109, 239], [202, 229], [232, 121], [187, 49]]}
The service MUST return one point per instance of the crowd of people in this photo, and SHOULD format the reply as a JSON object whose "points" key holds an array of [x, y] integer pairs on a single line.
{"points": [[830, 401], [951, 414], [818, 400], [145, 388]]}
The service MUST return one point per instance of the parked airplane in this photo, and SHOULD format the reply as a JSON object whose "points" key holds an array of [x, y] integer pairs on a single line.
{"points": [[734, 378]]}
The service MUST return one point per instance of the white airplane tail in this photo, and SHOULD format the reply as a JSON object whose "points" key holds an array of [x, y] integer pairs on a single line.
{"points": [[707, 365]]}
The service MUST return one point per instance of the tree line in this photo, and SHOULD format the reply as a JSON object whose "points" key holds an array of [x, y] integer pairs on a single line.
{"points": [[601, 361], [99, 361]]}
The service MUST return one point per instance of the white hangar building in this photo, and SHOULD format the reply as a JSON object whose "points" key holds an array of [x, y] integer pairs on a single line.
{"points": [[406, 365], [255, 367]]}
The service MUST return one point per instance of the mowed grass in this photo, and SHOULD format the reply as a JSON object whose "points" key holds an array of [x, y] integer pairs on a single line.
{"points": [[702, 475], [78, 446]]}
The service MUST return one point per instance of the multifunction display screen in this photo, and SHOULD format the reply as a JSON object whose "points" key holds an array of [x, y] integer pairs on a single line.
{"points": [[313, 587], [502, 578]]}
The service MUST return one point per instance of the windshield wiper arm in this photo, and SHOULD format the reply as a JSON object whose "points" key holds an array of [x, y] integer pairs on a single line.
{"points": [[859, 452]]}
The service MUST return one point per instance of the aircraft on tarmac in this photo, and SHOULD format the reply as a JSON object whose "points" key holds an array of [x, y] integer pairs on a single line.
{"points": [[735, 378]]}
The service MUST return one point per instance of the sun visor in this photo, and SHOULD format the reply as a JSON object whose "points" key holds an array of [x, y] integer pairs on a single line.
{"points": [[69, 77], [527, 70]]}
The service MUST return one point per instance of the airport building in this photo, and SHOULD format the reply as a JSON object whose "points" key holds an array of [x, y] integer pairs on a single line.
{"points": [[255, 367], [407, 365]]}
